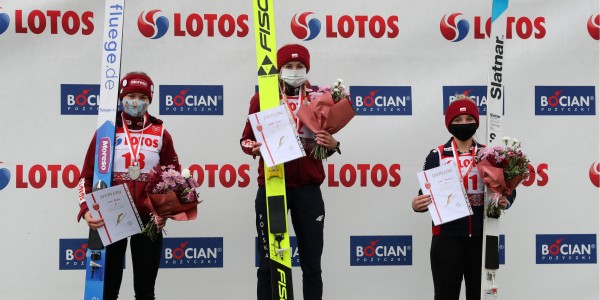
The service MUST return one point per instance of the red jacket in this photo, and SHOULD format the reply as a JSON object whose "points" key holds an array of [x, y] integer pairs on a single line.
{"points": [[167, 154], [302, 171]]}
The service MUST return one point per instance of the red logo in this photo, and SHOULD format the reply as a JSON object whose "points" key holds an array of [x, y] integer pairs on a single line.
{"points": [[516, 27], [537, 175], [595, 174], [593, 26], [377, 175], [228, 175], [69, 22]]}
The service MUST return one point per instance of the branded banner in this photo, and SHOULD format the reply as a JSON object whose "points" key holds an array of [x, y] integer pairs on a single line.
{"points": [[403, 63]]}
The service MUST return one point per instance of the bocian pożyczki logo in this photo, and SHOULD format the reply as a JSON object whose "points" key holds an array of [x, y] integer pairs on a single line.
{"points": [[593, 26], [153, 26], [452, 30], [305, 30], [4, 21], [4, 177]]}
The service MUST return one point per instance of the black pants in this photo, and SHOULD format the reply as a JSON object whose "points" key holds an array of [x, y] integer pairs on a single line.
{"points": [[308, 216], [145, 256], [452, 258]]}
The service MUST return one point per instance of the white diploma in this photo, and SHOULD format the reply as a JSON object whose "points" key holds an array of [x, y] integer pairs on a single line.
{"points": [[449, 199], [276, 130], [116, 206]]}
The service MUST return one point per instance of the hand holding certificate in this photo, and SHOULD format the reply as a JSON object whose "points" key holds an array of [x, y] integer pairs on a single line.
{"points": [[448, 196], [277, 132], [116, 207]]}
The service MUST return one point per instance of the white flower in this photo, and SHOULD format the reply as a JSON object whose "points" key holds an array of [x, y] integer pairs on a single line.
{"points": [[340, 81], [515, 141], [335, 84], [186, 173], [506, 139], [336, 90]]}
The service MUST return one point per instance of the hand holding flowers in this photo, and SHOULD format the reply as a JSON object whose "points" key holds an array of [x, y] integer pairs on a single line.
{"points": [[171, 195], [502, 169], [330, 109]]}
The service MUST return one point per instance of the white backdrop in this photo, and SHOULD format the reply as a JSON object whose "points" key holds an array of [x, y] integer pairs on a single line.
{"points": [[47, 44]]}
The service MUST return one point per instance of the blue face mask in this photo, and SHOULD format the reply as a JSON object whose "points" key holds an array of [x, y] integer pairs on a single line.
{"points": [[135, 107]]}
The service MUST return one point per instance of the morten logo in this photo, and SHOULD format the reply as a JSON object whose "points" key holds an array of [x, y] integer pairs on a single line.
{"points": [[477, 93], [565, 100], [4, 177], [192, 253], [452, 30], [381, 250], [79, 99], [191, 100], [305, 30], [593, 27], [382, 100], [151, 25], [4, 21], [566, 249], [594, 174]]}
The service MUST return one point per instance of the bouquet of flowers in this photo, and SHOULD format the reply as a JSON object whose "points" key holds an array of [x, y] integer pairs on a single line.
{"points": [[330, 109], [171, 195], [502, 169]]}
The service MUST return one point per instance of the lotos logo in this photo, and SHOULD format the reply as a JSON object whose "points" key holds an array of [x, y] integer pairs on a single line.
{"points": [[566, 249], [477, 93], [4, 21], [79, 99], [192, 253], [345, 26], [4, 177], [194, 25], [382, 100], [452, 30], [377, 175], [593, 27], [72, 254], [594, 174], [228, 175], [522, 27], [38, 21], [293, 249], [37, 176], [565, 100], [381, 250], [305, 30], [537, 175], [191, 100], [151, 25]]}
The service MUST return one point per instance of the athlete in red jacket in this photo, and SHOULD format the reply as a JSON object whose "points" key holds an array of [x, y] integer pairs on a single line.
{"points": [[141, 143], [303, 178]]}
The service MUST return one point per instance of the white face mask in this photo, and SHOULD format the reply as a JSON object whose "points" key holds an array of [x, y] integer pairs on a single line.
{"points": [[294, 77]]}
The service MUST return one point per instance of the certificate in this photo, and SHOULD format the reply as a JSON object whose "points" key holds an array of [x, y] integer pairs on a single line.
{"points": [[276, 130], [448, 196], [116, 206]]}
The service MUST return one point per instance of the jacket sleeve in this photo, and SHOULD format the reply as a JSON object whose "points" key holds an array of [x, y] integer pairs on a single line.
{"points": [[168, 156], [431, 161], [248, 137], [85, 179]]}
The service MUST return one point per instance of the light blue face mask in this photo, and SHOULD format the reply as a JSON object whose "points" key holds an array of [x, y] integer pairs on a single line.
{"points": [[135, 107]]}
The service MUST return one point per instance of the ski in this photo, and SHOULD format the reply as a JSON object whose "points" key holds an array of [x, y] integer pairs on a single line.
{"points": [[105, 135], [268, 87], [495, 110]]}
